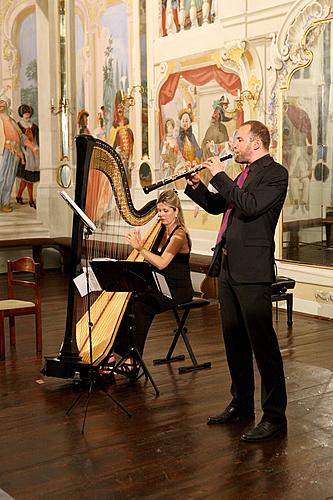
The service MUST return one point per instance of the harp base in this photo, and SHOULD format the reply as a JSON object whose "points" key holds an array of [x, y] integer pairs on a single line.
{"points": [[56, 367]]}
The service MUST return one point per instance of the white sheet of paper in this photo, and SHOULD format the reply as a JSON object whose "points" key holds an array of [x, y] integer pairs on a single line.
{"points": [[162, 284], [104, 259], [81, 282]]}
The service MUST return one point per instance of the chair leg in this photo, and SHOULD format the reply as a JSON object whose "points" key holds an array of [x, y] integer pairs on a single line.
{"points": [[169, 358], [2, 336], [38, 321], [12, 333], [289, 309], [181, 331]]}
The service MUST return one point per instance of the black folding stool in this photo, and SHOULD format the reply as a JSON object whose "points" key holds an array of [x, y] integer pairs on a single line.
{"points": [[181, 331]]}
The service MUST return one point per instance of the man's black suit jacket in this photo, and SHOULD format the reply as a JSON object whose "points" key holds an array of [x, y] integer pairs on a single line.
{"points": [[249, 238]]}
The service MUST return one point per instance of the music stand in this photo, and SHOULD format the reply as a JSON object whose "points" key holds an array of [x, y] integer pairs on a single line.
{"points": [[93, 376], [134, 277]]}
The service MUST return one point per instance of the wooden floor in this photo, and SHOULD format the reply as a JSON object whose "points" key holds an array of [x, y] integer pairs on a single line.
{"points": [[165, 450]]}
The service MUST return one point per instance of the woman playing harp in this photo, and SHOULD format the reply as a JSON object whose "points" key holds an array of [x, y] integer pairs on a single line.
{"points": [[169, 256]]}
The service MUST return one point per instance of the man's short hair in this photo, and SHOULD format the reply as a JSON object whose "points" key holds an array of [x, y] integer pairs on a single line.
{"points": [[258, 129]]}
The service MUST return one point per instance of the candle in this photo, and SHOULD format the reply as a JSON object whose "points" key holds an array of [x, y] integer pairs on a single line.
{"points": [[238, 93]]}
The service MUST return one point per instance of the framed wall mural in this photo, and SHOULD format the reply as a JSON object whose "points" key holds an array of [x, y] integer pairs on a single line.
{"points": [[102, 77], [307, 153], [19, 163], [193, 121]]}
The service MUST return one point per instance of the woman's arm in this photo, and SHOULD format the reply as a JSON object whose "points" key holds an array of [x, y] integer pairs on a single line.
{"points": [[176, 243]]}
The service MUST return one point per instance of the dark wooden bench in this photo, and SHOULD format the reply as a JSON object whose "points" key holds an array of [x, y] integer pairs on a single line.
{"points": [[209, 287], [36, 245]]}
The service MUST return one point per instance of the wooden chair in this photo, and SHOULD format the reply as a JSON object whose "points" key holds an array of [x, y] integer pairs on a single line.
{"points": [[23, 272]]}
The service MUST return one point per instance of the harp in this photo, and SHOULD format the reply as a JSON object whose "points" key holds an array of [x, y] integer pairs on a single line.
{"points": [[101, 188]]}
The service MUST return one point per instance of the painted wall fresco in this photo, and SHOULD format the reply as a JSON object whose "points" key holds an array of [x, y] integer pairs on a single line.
{"points": [[19, 133], [110, 82], [193, 122]]}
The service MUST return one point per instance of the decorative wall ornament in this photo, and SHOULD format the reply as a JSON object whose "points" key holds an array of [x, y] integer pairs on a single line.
{"points": [[287, 47], [288, 52], [243, 60], [163, 72]]}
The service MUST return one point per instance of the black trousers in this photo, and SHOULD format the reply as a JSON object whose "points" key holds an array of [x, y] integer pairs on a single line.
{"points": [[246, 313], [141, 311]]}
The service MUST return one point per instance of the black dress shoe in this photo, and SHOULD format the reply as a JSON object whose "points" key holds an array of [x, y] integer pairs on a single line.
{"points": [[230, 415], [264, 431]]}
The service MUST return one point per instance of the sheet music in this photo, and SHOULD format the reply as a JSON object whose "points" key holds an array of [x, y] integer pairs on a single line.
{"points": [[84, 218], [104, 259], [162, 285], [81, 282]]}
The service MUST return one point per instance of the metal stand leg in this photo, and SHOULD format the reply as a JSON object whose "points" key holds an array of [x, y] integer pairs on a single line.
{"points": [[134, 354], [93, 379]]}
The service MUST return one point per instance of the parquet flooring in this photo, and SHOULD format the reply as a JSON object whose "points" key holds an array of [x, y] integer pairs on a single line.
{"points": [[165, 450]]}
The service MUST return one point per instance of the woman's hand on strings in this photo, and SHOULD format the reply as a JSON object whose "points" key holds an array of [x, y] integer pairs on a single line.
{"points": [[134, 239]]}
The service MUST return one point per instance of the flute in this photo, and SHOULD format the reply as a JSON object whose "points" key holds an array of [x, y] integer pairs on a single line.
{"points": [[175, 177]]}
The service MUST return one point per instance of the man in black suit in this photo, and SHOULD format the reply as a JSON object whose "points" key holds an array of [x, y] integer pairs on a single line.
{"points": [[244, 262]]}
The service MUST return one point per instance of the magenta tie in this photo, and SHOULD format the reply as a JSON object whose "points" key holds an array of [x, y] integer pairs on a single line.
{"points": [[224, 223]]}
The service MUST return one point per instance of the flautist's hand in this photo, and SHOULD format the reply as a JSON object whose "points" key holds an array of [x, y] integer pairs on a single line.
{"points": [[193, 180], [214, 165]]}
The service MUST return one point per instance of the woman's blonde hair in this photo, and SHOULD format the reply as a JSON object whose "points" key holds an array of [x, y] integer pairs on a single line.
{"points": [[171, 199]]}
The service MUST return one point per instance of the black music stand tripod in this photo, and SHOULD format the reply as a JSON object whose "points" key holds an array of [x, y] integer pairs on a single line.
{"points": [[134, 277], [93, 375]]}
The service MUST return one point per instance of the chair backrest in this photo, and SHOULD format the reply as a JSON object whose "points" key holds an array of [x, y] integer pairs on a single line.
{"points": [[24, 272]]}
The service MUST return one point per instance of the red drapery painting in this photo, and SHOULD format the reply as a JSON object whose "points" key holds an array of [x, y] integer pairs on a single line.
{"points": [[200, 76]]}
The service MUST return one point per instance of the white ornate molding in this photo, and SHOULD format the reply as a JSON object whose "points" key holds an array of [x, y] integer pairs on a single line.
{"points": [[161, 76], [288, 50], [238, 57], [287, 47], [241, 58]]}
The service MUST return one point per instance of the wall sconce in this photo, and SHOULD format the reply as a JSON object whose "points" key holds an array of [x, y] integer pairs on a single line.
{"points": [[129, 100], [239, 101], [63, 106]]}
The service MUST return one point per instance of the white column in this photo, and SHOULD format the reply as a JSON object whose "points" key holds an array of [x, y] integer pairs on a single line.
{"points": [[50, 207]]}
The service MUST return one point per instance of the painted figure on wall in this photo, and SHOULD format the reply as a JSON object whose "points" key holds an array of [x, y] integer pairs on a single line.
{"points": [[12, 142], [216, 135], [169, 149], [28, 172], [187, 143], [297, 155], [174, 6], [82, 122], [100, 130], [121, 135]]}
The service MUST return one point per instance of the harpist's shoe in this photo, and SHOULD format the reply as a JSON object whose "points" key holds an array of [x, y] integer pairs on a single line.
{"points": [[129, 370], [108, 367]]}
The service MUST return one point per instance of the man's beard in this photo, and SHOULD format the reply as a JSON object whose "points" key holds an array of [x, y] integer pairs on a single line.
{"points": [[240, 160]]}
